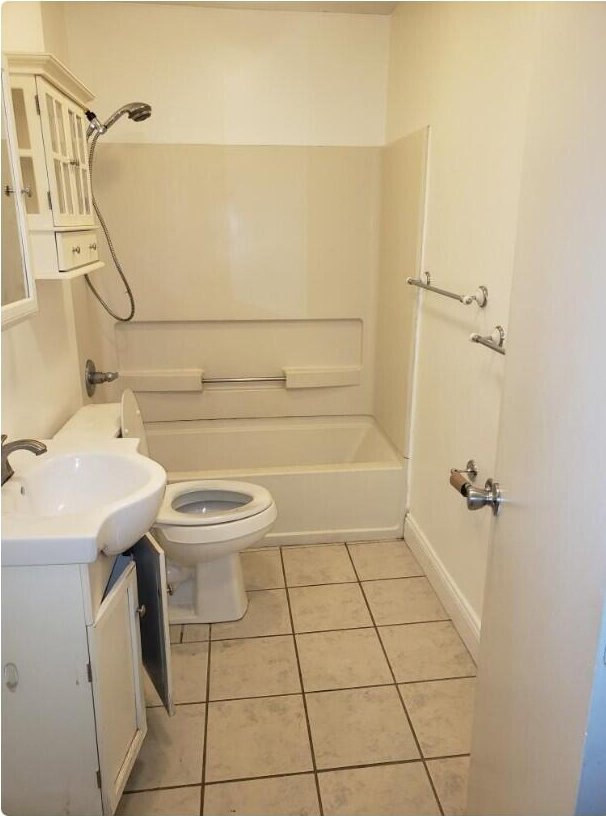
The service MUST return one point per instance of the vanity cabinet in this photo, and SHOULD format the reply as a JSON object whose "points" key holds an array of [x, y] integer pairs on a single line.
{"points": [[73, 711], [49, 106]]}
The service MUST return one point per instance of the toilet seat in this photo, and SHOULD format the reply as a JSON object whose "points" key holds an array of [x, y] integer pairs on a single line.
{"points": [[242, 500]]}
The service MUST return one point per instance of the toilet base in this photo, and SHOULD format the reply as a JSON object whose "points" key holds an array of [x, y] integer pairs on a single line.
{"points": [[217, 594]]}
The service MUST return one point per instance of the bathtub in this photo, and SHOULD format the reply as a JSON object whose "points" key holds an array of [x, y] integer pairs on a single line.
{"points": [[333, 478]]}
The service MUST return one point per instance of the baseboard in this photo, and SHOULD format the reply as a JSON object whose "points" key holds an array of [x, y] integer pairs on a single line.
{"points": [[286, 539], [465, 620]]}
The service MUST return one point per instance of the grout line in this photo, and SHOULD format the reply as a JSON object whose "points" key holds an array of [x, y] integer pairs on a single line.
{"points": [[205, 749], [436, 680], [371, 765], [311, 744], [320, 691], [320, 771], [221, 781], [162, 787], [296, 773], [322, 631], [448, 756], [414, 733], [254, 778], [338, 583]]}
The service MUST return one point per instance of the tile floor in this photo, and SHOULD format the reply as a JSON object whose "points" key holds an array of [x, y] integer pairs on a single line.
{"points": [[344, 690]]}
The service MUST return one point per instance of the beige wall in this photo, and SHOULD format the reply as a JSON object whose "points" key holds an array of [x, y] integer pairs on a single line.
{"points": [[22, 28], [224, 76], [41, 384], [464, 69]]}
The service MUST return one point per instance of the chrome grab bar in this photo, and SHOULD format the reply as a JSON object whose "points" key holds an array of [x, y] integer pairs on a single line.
{"points": [[480, 296], [494, 341], [243, 379]]}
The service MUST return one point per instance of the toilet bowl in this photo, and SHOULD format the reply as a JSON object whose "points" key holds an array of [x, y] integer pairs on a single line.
{"points": [[203, 525]]}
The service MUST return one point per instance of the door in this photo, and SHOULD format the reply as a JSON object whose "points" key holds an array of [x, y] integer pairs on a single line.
{"points": [[537, 743], [115, 659], [153, 596]]}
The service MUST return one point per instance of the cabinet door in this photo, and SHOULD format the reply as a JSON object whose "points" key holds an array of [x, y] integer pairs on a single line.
{"points": [[115, 653], [66, 157], [153, 595], [30, 147], [49, 750], [77, 125]]}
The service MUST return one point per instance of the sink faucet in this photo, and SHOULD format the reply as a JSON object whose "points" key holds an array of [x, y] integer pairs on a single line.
{"points": [[19, 444]]}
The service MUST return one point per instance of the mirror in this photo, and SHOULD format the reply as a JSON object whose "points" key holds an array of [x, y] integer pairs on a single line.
{"points": [[18, 288]]}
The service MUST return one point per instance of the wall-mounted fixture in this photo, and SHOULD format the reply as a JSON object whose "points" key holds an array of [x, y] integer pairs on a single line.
{"points": [[93, 378], [49, 103], [480, 296], [494, 341]]}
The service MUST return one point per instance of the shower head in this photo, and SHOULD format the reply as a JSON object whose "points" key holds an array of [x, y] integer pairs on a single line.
{"points": [[137, 111]]}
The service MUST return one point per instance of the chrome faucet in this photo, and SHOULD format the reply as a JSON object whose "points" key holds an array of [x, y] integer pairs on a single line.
{"points": [[19, 444]]}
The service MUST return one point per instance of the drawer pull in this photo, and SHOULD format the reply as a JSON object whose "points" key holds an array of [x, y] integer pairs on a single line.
{"points": [[76, 249], [11, 676], [141, 610], [74, 162], [92, 246]]}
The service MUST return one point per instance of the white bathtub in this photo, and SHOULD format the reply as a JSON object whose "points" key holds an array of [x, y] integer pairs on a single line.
{"points": [[333, 478]]}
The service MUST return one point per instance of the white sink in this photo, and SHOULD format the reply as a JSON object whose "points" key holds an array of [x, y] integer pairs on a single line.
{"points": [[65, 507]]}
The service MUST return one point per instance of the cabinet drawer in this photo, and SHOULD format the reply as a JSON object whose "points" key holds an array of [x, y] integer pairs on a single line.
{"points": [[76, 249]]}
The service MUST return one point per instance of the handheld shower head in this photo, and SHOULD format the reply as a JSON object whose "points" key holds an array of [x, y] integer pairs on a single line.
{"points": [[137, 111]]}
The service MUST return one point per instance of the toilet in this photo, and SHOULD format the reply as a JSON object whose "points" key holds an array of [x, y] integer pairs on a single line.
{"points": [[202, 526]]}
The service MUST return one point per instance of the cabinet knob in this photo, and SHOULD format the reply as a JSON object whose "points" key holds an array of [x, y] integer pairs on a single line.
{"points": [[141, 610], [11, 676], [76, 249], [8, 191]]}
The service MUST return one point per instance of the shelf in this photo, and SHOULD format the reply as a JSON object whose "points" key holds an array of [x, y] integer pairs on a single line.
{"points": [[73, 273]]}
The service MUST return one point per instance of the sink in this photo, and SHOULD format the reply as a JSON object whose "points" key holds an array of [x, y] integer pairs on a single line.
{"points": [[65, 506]]}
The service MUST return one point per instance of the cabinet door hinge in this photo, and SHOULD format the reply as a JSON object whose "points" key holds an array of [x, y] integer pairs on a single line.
{"points": [[89, 673], [37, 101], [50, 202], [99, 779]]}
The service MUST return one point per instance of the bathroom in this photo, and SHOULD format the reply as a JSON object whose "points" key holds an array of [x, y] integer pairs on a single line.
{"points": [[300, 163]]}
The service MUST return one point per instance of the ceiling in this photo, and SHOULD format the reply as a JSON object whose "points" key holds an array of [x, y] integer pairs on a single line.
{"points": [[333, 7]]}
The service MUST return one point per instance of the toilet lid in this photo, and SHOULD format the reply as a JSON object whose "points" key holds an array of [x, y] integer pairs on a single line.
{"points": [[131, 421], [211, 501]]}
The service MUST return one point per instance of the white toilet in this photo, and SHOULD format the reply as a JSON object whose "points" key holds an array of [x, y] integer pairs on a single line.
{"points": [[202, 527]]}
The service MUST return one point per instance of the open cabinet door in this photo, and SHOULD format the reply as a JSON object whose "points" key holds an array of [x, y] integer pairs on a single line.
{"points": [[153, 595], [115, 660]]}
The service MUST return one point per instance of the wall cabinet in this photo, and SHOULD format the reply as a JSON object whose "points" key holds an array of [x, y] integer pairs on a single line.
{"points": [[49, 106], [73, 712]]}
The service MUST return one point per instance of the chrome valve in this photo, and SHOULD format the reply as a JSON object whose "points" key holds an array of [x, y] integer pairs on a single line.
{"points": [[93, 378]]}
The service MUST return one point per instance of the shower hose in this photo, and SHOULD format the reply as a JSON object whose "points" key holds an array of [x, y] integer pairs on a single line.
{"points": [[129, 292]]}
